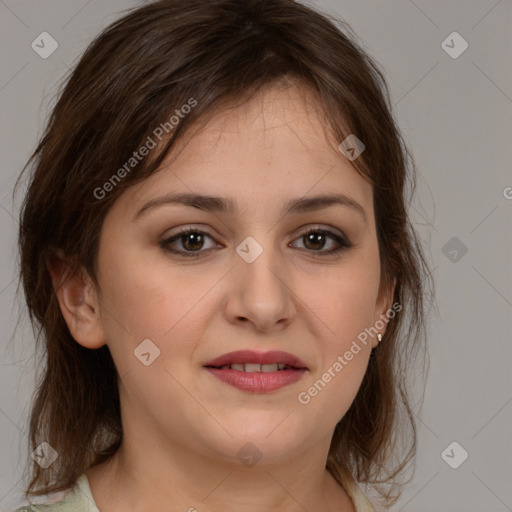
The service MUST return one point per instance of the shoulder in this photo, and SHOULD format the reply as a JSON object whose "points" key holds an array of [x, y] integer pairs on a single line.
{"points": [[70, 503], [76, 499]]}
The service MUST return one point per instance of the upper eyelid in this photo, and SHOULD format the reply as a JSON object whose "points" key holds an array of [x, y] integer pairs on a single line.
{"points": [[299, 231]]}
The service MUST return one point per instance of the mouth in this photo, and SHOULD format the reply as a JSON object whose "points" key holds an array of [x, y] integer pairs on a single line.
{"points": [[257, 372], [255, 367]]}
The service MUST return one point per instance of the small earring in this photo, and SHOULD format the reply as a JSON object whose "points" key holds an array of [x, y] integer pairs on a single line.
{"points": [[379, 336]]}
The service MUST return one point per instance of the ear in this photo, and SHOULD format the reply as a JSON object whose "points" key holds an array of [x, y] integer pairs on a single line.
{"points": [[382, 307], [78, 301]]}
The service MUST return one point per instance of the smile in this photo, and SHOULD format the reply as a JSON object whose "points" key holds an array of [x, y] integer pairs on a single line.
{"points": [[257, 372]]}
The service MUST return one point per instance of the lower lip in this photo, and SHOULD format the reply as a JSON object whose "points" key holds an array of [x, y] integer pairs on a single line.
{"points": [[258, 382]]}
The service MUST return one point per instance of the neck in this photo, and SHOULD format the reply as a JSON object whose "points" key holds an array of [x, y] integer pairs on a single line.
{"points": [[138, 479]]}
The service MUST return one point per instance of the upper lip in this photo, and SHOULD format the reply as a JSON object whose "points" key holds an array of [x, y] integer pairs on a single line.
{"points": [[251, 356]]}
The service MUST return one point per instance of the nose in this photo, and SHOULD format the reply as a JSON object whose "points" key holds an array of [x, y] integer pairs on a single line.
{"points": [[260, 293]]}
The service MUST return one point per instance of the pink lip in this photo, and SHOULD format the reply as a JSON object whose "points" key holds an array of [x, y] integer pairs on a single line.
{"points": [[257, 382]]}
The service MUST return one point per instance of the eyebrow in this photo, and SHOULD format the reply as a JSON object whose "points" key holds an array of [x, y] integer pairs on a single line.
{"points": [[225, 205]]}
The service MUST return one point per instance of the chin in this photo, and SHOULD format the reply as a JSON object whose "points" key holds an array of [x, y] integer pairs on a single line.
{"points": [[268, 440]]}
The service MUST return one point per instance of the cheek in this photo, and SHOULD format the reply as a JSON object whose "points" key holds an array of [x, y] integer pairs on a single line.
{"points": [[344, 309], [168, 305], [345, 298]]}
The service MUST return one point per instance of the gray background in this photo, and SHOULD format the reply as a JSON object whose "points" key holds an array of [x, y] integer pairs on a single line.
{"points": [[456, 115]]}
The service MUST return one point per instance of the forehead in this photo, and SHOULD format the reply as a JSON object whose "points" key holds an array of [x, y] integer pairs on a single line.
{"points": [[273, 146], [278, 120]]}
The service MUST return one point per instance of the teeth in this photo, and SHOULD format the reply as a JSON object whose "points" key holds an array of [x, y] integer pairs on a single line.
{"points": [[251, 367], [254, 367]]}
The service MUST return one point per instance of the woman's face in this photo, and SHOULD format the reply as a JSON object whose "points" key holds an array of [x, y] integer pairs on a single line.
{"points": [[247, 278]]}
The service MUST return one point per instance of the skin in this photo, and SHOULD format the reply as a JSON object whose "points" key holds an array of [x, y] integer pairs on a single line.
{"points": [[183, 427]]}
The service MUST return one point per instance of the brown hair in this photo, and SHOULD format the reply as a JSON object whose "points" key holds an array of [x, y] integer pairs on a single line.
{"points": [[130, 80]]}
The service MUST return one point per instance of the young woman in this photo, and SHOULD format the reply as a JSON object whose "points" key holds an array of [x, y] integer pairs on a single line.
{"points": [[216, 249]]}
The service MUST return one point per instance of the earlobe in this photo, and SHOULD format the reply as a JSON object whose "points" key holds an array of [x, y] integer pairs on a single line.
{"points": [[78, 302]]}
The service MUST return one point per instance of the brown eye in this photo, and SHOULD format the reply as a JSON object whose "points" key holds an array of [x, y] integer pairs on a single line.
{"points": [[316, 240], [192, 241], [189, 242]]}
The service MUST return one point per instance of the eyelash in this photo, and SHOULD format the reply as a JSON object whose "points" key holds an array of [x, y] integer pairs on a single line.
{"points": [[343, 244]]}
